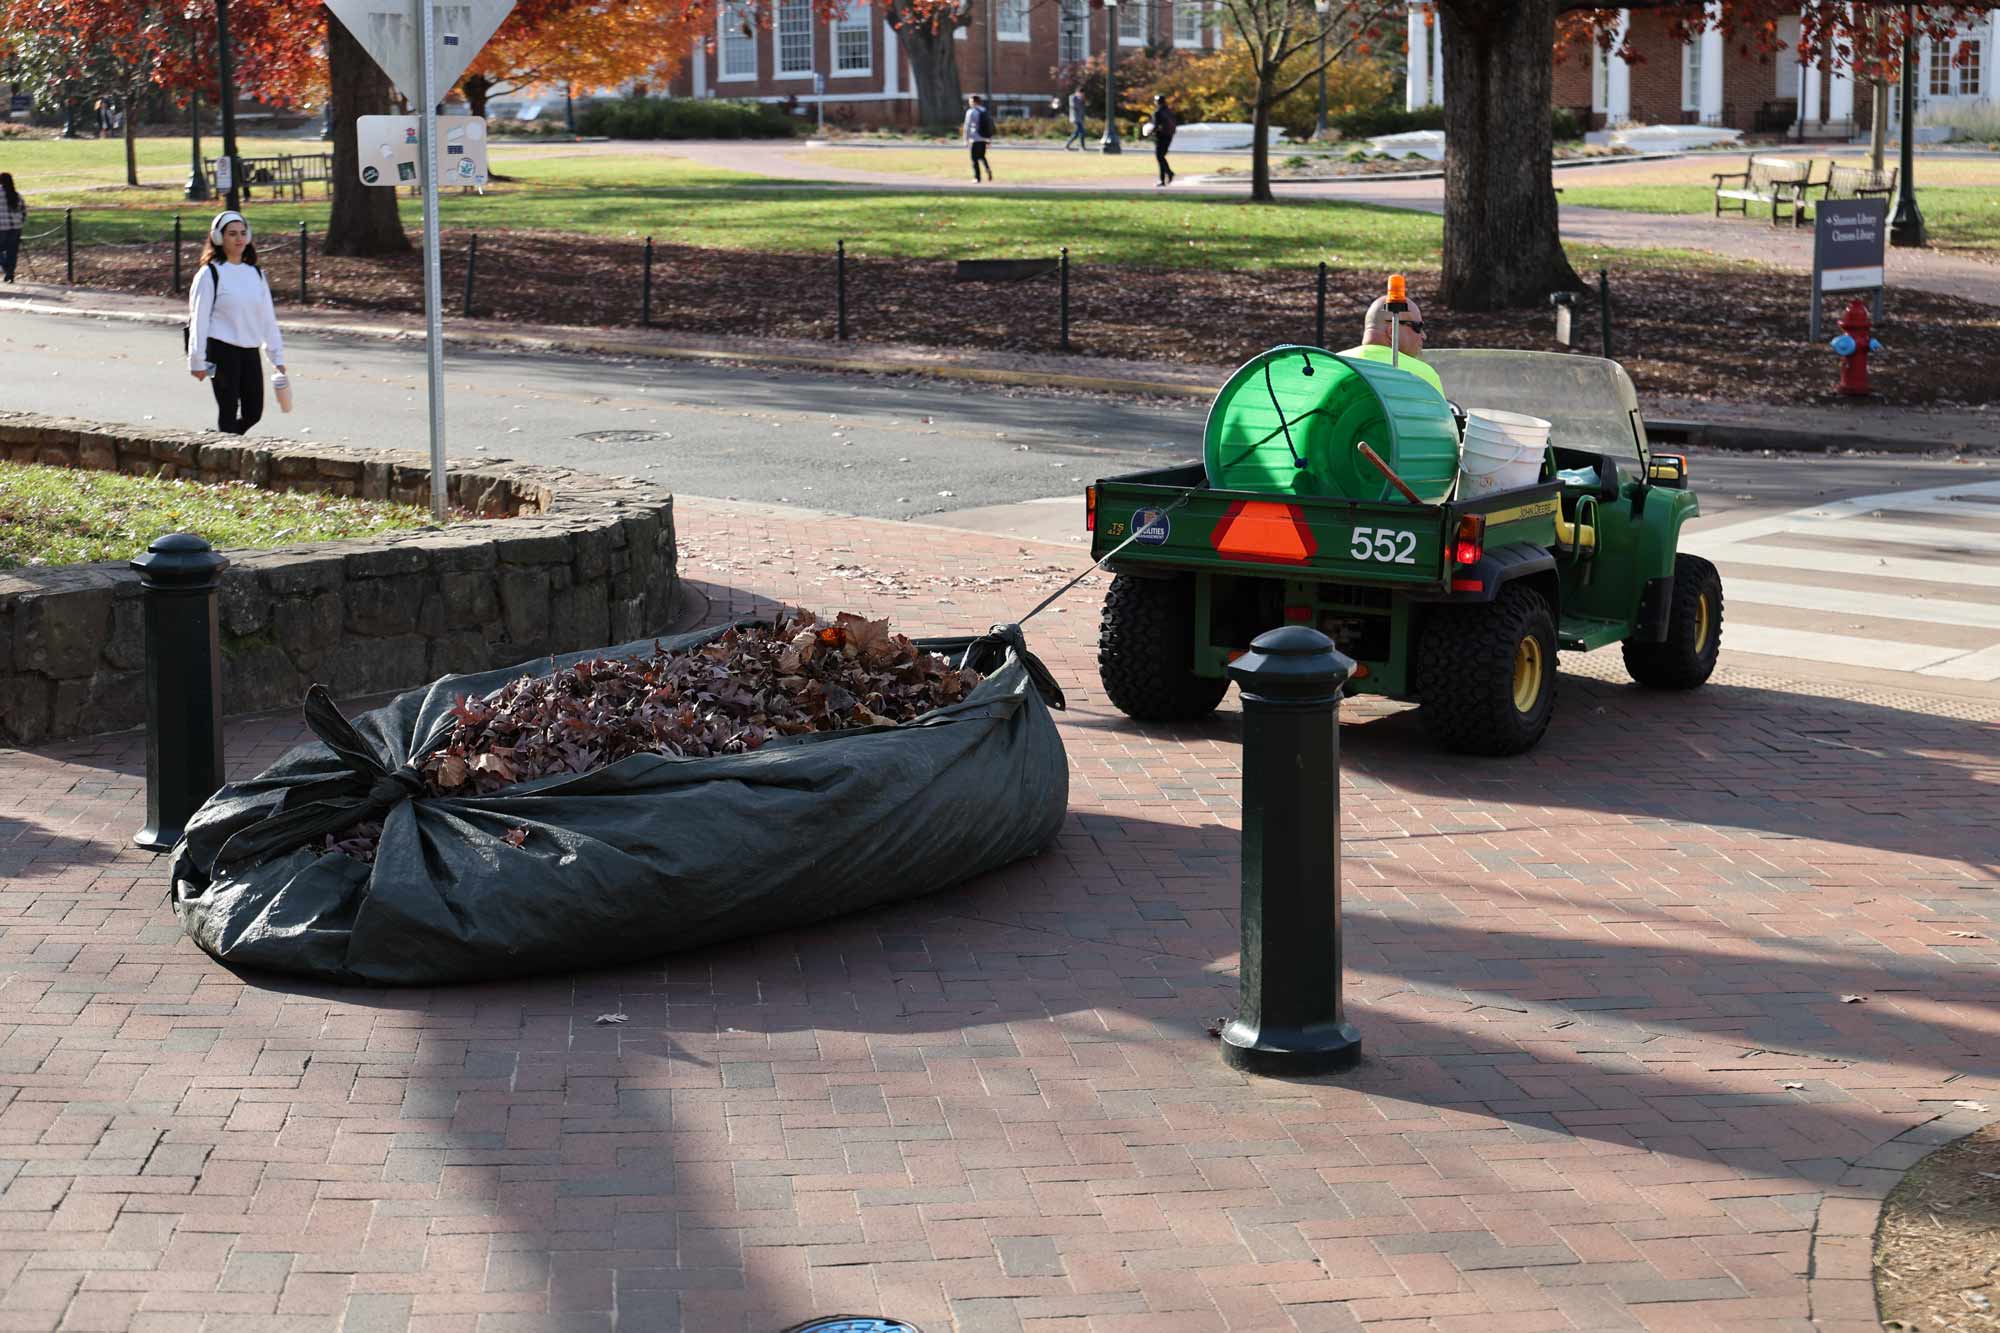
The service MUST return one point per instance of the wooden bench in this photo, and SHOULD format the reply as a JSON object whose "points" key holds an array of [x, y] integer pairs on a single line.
{"points": [[1781, 182], [1843, 182], [283, 172]]}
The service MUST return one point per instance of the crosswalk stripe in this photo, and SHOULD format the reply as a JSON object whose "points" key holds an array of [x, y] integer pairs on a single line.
{"points": [[1897, 534], [1860, 504], [1982, 665], [1845, 649], [1940, 504], [1854, 602], [1846, 562]]}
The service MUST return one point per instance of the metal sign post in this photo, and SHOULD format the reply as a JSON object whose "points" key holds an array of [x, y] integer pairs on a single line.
{"points": [[461, 28], [433, 270]]}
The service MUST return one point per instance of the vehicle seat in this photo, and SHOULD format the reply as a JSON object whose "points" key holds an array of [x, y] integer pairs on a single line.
{"points": [[1604, 465]]}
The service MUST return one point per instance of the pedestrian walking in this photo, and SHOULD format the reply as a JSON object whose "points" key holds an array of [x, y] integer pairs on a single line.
{"points": [[230, 317], [13, 217], [1165, 122], [1076, 108], [979, 133]]}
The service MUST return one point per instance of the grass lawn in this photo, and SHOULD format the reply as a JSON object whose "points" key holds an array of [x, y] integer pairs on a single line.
{"points": [[1030, 166], [60, 516], [1960, 217], [66, 164]]}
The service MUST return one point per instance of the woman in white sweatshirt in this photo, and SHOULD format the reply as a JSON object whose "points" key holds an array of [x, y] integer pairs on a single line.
{"points": [[229, 317]]}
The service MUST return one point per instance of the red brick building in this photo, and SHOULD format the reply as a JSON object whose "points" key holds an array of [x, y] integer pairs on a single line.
{"points": [[857, 66], [1713, 80]]}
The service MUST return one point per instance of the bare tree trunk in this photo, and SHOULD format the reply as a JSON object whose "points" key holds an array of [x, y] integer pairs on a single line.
{"points": [[363, 219], [1502, 247], [1260, 145], [131, 118], [477, 88], [933, 64]]}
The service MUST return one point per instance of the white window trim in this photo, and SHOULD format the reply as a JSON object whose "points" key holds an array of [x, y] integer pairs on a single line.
{"points": [[1000, 32], [1145, 22], [1691, 75], [1197, 41], [1977, 69], [1083, 31], [778, 71], [866, 27], [729, 18]]}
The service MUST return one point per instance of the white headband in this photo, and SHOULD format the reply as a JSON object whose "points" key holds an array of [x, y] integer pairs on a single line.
{"points": [[223, 219]]}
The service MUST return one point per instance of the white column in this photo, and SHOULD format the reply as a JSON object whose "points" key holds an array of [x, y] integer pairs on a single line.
{"points": [[1711, 66], [701, 69], [1417, 82], [1810, 111], [1840, 95], [1618, 79], [1437, 58], [892, 61]]}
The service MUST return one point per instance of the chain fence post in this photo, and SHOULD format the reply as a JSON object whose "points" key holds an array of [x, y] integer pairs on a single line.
{"points": [[840, 289], [69, 246], [1319, 309], [1289, 1020], [646, 289], [183, 682], [471, 269], [1062, 273]]}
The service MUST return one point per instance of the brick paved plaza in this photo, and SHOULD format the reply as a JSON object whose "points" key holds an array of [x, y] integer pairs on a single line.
{"points": [[1609, 1078]]}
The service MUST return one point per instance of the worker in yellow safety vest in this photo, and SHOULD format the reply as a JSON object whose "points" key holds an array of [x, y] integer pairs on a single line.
{"points": [[1375, 341]]}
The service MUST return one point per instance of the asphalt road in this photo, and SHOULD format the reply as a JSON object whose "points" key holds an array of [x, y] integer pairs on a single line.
{"points": [[881, 447]]}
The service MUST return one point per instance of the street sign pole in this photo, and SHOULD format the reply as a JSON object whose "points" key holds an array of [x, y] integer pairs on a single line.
{"points": [[427, 156]]}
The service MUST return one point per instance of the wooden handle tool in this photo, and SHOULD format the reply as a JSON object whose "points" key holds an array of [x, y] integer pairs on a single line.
{"points": [[1388, 472]]}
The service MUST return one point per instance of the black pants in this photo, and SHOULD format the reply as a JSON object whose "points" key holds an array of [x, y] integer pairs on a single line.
{"points": [[10, 251], [1160, 147], [238, 379], [979, 159]]}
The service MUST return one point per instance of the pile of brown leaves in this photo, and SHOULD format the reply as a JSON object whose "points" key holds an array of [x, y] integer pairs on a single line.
{"points": [[729, 696]]}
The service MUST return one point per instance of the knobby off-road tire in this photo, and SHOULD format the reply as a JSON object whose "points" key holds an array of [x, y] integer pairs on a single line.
{"points": [[1145, 651], [1486, 675], [1694, 631]]}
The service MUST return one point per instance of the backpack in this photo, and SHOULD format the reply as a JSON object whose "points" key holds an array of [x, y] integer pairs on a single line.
{"points": [[985, 123], [187, 325]]}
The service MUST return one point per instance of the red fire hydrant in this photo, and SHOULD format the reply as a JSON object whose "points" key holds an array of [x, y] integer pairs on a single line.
{"points": [[1854, 344]]}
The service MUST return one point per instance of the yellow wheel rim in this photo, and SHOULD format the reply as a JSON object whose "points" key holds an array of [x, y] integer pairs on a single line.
{"points": [[1528, 668], [1701, 624]]}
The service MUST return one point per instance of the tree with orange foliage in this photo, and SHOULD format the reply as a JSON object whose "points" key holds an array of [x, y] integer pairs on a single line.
{"points": [[1502, 247], [595, 43]]}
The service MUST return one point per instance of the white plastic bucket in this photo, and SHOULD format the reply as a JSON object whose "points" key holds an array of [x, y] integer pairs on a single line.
{"points": [[1502, 451]]}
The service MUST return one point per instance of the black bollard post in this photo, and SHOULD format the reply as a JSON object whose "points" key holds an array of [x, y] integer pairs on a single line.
{"points": [[69, 246], [840, 290], [177, 252], [302, 261], [1063, 272], [471, 269], [1604, 309], [178, 574], [1289, 1019], [646, 289], [1319, 309]]}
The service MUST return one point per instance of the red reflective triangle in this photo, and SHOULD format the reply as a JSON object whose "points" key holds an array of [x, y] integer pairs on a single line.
{"points": [[1264, 530]]}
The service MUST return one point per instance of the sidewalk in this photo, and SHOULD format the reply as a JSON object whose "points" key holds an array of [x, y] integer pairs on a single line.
{"points": [[1609, 1079], [1725, 425]]}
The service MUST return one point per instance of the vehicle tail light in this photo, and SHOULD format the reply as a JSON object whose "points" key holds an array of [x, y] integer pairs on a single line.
{"points": [[1090, 509], [1468, 546], [1299, 614]]}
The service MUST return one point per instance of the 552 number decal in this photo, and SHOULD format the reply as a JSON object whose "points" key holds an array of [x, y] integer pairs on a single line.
{"points": [[1390, 546]]}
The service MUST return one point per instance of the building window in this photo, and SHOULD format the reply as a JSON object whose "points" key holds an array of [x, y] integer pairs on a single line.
{"points": [[1010, 20], [1132, 24], [1188, 22], [1969, 80], [1073, 43], [1691, 75], [736, 43], [1939, 81], [854, 41], [795, 37]]}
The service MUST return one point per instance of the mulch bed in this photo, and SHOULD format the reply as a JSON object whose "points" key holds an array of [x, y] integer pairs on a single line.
{"points": [[1937, 1250], [1691, 333]]}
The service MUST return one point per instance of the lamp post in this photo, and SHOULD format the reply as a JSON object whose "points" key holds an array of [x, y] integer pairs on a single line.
{"points": [[1110, 143], [1906, 224], [223, 66], [989, 52], [1319, 10], [197, 186]]}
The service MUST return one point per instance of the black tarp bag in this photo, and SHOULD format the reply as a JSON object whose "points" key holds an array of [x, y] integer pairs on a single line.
{"points": [[643, 857]]}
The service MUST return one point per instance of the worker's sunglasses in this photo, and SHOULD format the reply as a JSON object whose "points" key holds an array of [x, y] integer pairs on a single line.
{"points": [[1416, 324]]}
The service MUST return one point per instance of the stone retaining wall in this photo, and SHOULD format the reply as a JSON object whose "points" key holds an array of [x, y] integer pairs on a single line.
{"points": [[563, 560]]}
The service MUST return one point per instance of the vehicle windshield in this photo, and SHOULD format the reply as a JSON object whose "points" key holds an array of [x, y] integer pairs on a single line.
{"points": [[1588, 400]]}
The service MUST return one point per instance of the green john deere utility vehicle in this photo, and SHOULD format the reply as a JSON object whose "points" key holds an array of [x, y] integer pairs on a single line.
{"points": [[1331, 495]]}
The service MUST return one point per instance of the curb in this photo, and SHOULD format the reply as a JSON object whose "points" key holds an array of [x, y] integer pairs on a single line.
{"points": [[1716, 435]]}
